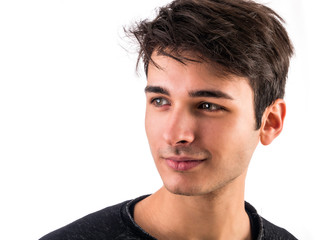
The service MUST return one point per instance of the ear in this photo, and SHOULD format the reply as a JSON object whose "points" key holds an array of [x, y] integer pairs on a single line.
{"points": [[272, 121]]}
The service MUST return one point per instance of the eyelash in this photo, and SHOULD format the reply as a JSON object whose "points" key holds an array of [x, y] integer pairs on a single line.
{"points": [[153, 101], [200, 106], [216, 107]]}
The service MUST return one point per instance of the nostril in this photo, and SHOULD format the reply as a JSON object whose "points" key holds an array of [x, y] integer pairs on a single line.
{"points": [[182, 142]]}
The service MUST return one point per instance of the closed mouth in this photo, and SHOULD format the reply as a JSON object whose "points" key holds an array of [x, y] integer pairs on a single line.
{"points": [[182, 164]]}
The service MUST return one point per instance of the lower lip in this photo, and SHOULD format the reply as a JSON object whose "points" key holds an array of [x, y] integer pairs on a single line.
{"points": [[183, 165]]}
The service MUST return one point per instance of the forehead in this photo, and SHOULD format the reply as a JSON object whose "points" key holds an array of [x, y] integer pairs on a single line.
{"points": [[192, 75]]}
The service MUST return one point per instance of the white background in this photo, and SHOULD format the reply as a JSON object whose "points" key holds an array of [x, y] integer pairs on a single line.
{"points": [[72, 135]]}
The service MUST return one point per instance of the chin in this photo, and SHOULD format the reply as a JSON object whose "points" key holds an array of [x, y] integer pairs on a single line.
{"points": [[185, 190], [191, 188], [182, 192]]}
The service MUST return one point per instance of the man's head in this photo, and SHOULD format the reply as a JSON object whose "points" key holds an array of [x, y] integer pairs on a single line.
{"points": [[216, 73], [239, 37]]}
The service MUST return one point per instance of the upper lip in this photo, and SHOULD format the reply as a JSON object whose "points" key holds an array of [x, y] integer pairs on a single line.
{"points": [[182, 158]]}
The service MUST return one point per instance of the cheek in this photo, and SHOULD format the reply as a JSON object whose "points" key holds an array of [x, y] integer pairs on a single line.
{"points": [[230, 135], [148, 126], [153, 129]]}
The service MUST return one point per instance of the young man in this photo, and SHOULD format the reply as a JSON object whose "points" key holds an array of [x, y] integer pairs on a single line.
{"points": [[216, 72]]}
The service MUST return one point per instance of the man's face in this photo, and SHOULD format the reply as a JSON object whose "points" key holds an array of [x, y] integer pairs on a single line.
{"points": [[200, 127]]}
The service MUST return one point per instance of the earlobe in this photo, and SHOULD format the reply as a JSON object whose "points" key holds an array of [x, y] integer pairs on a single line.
{"points": [[272, 121]]}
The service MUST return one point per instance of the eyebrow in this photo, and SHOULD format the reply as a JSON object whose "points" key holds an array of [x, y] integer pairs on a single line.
{"points": [[156, 89], [197, 93], [210, 93]]}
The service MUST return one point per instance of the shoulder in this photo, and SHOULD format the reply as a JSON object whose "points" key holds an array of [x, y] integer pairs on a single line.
{"points": [[262, 229], [272, 231], [104, 224]]}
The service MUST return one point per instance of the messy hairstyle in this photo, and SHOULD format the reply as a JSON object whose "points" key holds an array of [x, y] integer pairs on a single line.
{"points": [[243, 37]]}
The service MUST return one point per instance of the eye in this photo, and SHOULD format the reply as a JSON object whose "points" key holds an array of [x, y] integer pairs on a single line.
{"points": [[159, 102], [210, 107]]}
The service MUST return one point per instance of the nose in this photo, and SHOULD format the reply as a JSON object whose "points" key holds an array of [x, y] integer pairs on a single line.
{"points": [[181, 128]]}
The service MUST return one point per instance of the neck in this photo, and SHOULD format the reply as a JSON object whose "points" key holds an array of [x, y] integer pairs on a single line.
{"points": [[213, 216]]}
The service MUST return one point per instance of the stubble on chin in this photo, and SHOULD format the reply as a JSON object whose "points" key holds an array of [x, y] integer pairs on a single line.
{"points": [[217, 188]]}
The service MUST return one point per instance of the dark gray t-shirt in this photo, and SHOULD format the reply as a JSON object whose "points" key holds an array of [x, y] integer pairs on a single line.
{"points": [[116, 223]]}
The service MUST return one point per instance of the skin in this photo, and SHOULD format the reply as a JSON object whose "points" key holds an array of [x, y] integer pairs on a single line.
{"points": [[195, 115]]}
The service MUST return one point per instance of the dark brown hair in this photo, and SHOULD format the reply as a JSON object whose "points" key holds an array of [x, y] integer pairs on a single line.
{"points": [[243, 37]]}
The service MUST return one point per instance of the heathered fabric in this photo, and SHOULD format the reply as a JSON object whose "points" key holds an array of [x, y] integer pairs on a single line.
{"points": [[116, 223]]}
